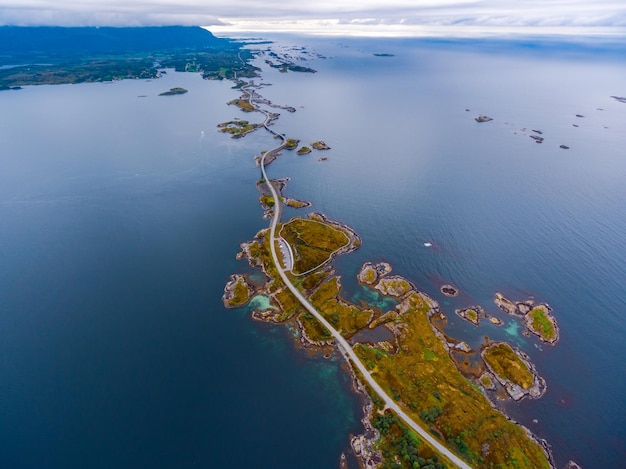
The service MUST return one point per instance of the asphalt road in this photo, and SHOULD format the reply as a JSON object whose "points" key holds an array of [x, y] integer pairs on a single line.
{"points": [[342, 343], [348, 351]]}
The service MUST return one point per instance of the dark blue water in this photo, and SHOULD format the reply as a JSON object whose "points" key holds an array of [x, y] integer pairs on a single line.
{"points": [[120, 218], [119, 225]]}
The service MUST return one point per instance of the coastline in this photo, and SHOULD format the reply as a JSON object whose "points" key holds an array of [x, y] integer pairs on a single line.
{"points": [[311, 336]]}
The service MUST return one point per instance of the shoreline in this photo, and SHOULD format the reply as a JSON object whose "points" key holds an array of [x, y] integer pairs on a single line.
{"points": [[311, 337]]}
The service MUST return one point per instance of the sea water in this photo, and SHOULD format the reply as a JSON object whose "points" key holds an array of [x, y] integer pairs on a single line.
{"points": [[121, 213]]}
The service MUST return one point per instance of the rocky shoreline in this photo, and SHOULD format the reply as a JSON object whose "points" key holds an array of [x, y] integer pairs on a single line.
{"points": [[473, 314], [532, 315], [267, 201], [237, 292], [514, 390], [449, 290]]}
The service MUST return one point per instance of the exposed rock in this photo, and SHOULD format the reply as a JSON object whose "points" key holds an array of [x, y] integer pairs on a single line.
{"points": [[449, 290], [371, 273], [495, 321], [524, 307], [564, 147], [320, 145], [394, 286], [462, 346], [572, 464], [537, 139], [482, 118], [621, 100], [507, 305]]}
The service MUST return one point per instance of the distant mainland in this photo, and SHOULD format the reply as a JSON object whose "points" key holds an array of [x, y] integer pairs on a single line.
{"points": [[56, 55]]}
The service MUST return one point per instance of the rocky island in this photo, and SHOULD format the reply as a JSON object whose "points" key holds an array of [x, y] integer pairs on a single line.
{"points": [[472, 314], [482, 118], [449, 290], [538, 319], [174, 92], [513, 370], [237, 292], [237, 128], [320, 145]]}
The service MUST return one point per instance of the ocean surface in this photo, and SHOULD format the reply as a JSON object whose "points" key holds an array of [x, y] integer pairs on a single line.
{"points": [[121, 213]]}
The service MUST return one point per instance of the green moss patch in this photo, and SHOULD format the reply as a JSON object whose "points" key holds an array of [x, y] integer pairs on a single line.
{"points": [[313, 242], [507, 365], [541, 323]]}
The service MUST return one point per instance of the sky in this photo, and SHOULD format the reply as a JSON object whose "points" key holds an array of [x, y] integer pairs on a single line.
{"points": [[359, 17]]}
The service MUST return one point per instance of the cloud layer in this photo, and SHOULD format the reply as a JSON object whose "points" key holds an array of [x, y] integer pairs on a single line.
{"points": [[324, 15]]}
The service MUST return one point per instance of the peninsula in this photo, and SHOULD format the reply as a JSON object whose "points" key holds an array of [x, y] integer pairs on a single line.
{"points": [[57, 55]]}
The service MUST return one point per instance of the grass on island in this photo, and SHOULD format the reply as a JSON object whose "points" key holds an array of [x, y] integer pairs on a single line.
{"points": [[344, 317], [398, 441], [542, 324], [313, 242], [237, 128], [423, 386], [394, 286], [291, 144], [320, 145], [507, 365], [242, 104], [267, 200], [472, 315], [304, 151], [486, 381], [241, 293], [313, 329], [369, 275], [289, 304]]}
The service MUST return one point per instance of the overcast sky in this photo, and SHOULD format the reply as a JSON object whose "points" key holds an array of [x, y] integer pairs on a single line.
{"points": [[376, 17]]}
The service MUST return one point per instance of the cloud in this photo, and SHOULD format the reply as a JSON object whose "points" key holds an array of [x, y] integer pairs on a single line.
{"points": [[394, 15]]}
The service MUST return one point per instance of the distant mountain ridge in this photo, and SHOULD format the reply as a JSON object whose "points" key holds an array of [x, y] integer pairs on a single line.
{"points": [[17, 41], [56, 55]]}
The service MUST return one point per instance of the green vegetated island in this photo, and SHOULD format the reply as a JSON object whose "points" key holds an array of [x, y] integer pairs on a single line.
{"points": [[439, 381]]}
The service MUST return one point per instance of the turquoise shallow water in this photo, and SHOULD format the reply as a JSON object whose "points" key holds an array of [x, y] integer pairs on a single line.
{"points": [[120, 218]]}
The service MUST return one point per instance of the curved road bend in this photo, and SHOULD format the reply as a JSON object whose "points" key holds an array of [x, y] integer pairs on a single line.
{"points": [[343, 343]]}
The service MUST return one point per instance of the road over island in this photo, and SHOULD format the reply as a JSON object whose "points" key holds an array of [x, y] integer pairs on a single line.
{"points": [[341, 342]]}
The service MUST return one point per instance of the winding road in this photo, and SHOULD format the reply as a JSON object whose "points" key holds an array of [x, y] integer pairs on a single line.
{"points": [[341, 342]]}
